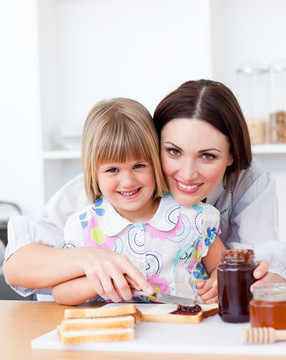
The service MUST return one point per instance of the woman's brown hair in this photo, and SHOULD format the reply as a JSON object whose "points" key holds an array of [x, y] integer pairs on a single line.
{"points": [[213, 102]]}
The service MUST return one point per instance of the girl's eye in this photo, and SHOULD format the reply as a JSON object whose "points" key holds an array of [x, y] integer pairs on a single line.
{"points": [[139, 166], [208, 156], [112, 170]]}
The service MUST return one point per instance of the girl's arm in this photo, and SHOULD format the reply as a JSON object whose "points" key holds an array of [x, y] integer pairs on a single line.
{"points": [[110, 274], [73, 292], [38, 266]]}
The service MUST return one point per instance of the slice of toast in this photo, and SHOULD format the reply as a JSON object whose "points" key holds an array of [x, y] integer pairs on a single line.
{"points": [[129, 309], [113, 322], [91, 336], [162, 313]]}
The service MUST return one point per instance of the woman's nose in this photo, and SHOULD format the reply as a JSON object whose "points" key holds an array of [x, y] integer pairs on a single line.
{"points": [[189, 170]]}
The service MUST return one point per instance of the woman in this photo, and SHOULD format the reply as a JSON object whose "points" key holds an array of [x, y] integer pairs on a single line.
{"points": [[243, 192], [201, 127]]}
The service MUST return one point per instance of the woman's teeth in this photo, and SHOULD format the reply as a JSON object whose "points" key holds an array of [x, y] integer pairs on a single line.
{"points": [[188, 187]]}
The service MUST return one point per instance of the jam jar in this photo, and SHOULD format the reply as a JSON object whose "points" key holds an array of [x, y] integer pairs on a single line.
{"points": [[234, 276], [268, 306]]}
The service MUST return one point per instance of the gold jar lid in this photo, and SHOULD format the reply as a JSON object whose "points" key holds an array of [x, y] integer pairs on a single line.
{"points": [[271, 292]]}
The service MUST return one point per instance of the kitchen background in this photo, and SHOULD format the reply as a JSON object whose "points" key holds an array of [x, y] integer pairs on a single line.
{"points": [[59, 57]]}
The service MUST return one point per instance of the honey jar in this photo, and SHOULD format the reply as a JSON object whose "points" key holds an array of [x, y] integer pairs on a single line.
{"points": [[268, 306], [234, 276]]}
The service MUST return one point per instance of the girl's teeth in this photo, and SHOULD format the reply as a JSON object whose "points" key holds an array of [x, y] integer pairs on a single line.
{"points": [[188, 187], [128, 193]]}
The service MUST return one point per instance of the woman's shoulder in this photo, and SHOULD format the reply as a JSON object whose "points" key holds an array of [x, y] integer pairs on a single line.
{"points": [[256, 176]]}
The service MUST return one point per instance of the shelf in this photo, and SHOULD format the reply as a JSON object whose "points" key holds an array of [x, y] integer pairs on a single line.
{"points": [[269, 149], [62, 155]]}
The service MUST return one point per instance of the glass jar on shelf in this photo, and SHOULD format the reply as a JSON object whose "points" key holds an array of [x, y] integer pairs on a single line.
{"points": [[277, 86], [252, 97]]}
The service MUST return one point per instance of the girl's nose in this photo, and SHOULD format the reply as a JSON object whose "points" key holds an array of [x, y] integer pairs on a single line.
{"points": [[128, 179]]}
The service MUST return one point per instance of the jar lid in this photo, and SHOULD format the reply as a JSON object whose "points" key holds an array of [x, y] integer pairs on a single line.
{"points": [[278, 66], [250, 70], [237, 255], [272, 292], [251, 67]]}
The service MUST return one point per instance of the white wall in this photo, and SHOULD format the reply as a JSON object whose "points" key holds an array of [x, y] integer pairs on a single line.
{"points": [[97, 49], [21, 176], [58, 57]]}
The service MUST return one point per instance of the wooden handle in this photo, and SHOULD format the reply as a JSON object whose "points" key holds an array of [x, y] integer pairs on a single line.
{"points": [[263, 335]]}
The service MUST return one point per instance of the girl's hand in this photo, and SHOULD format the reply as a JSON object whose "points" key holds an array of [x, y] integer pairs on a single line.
{"points": [[207, 290], [263, 276], [112, 275]]}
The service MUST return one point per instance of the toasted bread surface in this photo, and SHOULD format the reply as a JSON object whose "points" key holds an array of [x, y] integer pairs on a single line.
{"points": [[129, 309], [161, 313]]}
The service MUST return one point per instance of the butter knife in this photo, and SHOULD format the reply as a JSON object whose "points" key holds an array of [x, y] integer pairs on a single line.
{"points": [[163, 298]]}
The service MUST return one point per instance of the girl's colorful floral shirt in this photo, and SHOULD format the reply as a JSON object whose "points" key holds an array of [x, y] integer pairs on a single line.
{"points": [[168, 249]]}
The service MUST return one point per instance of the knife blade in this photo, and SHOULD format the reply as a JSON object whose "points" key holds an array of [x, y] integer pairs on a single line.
{"points": [[163, 298]]}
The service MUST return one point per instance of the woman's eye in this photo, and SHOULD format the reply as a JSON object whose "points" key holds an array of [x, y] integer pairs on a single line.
{"points": [[173, 152], [208, 156]]}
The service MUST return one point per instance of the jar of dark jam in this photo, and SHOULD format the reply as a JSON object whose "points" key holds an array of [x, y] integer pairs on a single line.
{"points": [[268, 306], [235, 275]]}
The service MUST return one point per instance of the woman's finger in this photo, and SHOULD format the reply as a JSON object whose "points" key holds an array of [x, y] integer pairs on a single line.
{"points": [[268, 278], [262, 269]]}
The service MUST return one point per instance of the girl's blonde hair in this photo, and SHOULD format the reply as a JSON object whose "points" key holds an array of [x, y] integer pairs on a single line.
{"points": [[114, 131]]}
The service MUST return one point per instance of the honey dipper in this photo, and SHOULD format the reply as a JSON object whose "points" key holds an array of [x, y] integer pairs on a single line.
{"points": [[262, 335]]}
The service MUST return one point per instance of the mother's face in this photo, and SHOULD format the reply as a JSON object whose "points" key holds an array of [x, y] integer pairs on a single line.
{"points": [[194, 157]]}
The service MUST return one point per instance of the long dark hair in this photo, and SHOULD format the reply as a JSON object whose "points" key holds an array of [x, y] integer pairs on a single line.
{"points": [[213, 102]]}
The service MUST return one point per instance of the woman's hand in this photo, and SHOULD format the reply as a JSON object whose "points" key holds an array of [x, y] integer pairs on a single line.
{"points": [[112, 275], [207, 290], [262, 275]]}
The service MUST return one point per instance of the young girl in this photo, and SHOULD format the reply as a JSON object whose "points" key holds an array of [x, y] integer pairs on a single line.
{"points": [[131, 216]]}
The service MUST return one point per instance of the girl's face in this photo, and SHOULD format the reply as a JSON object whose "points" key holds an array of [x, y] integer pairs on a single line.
{"points": [[129, 187], [194, 156]]}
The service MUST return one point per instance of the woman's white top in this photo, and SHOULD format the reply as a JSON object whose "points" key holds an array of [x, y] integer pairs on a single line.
{"points": [[248, 219]]}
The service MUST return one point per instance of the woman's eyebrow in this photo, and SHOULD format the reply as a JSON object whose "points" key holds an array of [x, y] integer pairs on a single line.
{"points": [[209, 149], [172, 144]]}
